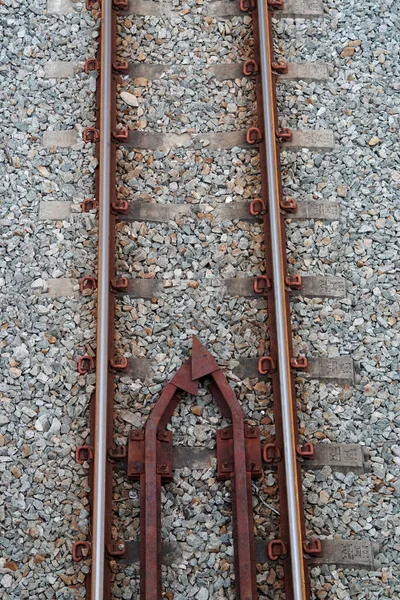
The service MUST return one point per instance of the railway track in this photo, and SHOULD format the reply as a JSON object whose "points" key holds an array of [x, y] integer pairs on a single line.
{"points": [[255, 454], [149, 453]]}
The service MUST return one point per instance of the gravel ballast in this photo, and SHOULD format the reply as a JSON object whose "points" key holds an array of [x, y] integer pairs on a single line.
{"points": [[44, 402]]}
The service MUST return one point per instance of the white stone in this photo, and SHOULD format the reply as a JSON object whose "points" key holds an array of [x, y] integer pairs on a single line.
{"points": [[20, 352], [7, 581], [129, 99]]}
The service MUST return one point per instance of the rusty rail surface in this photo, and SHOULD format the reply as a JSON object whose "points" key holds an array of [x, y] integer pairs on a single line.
{"points": [[149, 451]]}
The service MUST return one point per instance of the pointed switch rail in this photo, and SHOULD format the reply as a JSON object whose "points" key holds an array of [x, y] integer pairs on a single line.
{"points": [[238, 459]]}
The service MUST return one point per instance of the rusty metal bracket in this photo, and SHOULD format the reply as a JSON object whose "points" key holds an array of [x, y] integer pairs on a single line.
{"points": [[225, 460], [258, 208], [91, 64], [277, 549], [289, 205], [254, 136], [90, 134], [81, 549], [118, 363], [120, 66], [307, 450], [117, 453], [150, 461], [247, 5], [116, 549], [120, 206], [119, 284], [262, 284], [284, 135], [299, 364], [89, 204], [120, 4], [120, 135], [280, 67], [312, 547], [294, 282], [84, 454], [272, 453], [276, 4], [250, 67], [87, 284], [266, 365], [136, 448], [85, 364]]}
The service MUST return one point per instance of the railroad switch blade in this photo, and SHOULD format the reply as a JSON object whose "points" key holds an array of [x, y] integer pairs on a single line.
{"points": [[239, 459]]}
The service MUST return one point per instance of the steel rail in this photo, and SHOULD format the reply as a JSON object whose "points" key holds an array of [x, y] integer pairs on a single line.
{"points": [[103, 300], [281, 316]]}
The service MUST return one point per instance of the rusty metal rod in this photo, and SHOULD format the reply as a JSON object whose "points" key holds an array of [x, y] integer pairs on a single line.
{"points": [[291, 465], [150, 547], [103, 284], [243, 524]]}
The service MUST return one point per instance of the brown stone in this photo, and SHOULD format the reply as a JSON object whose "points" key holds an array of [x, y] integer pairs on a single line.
{"points": [[140, 81], [26, 450], [347, 52], [16, 472], [224, 565]]}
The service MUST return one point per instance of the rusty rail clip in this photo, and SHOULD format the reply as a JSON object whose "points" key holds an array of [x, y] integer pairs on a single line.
{"points": [[89, 204], [271, 453], [277, 549], [150, 461], [250, 67], [258, 208], [90, 134], [307, 450], [85, 364], [118, 363], [254, 136], [247, 5], [266, 365], [120, 66], [284, 135], [120, 283], [294, 282], [300, 363], [87, 284], [276, 4], [280, 67], [262, 284], [312, 547], [121, 4], [78, 550], [120, 135], [84, 454], [289, 205], [91, 64], [120, 206]]}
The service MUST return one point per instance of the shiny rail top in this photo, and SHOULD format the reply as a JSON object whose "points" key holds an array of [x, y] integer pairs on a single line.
{"points": [[100, 433], [291, 465]]}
